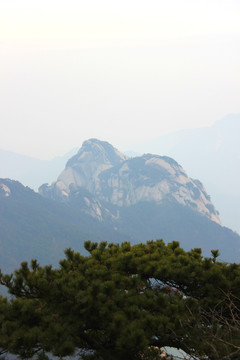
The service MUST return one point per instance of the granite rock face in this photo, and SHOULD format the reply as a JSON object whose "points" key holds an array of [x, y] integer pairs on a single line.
{"points": [[104, 195], [4, 190], [110, 178]]}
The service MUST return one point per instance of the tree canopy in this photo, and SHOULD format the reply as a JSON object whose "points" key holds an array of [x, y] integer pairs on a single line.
{"points": [[122, 301]]}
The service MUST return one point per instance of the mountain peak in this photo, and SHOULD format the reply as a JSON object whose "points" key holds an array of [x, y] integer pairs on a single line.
{"points": [[119, 181], [99, 152], [82, 170]]}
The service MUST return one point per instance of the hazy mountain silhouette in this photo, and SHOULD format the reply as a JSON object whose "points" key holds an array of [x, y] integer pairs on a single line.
{"points": [[102, 194], [31, 171]]}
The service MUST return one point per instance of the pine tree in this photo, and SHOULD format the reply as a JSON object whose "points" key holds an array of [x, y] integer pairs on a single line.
{"points": [[120, 301]]}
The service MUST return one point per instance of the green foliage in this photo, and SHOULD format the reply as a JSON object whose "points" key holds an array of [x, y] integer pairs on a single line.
{"points": [[215, 254], [119, 302]]}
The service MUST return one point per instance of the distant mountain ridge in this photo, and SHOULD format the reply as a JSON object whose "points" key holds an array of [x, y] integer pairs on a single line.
{"points": [[31, 171], [102, 194], [211, 154]]}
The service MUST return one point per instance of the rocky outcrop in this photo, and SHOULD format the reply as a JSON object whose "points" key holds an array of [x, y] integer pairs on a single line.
{"points": [[111, 178], [4, 190]]}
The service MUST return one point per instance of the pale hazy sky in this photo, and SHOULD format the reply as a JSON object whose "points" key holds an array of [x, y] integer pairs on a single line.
{"points": [[121, 71]]}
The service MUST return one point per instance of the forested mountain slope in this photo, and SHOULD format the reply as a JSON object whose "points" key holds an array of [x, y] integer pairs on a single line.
{"points": [[34, 227]]}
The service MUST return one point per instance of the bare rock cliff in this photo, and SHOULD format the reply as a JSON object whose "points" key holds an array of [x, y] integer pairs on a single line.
{"points": [[113, 178]]}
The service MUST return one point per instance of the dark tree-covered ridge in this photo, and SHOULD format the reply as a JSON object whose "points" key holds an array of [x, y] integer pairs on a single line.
{"points": [[120, 301]]}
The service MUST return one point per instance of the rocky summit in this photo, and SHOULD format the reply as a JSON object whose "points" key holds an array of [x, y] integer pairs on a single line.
{"points": [[104, 195], [102, 177]]}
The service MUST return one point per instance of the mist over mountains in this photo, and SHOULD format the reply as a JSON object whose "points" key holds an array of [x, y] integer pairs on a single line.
{"points": [[100, 194], [210, 154], [31, 171]]}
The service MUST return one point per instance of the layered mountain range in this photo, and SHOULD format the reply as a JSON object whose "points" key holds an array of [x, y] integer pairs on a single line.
{"points": [[103, 194], [211, 154]]}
